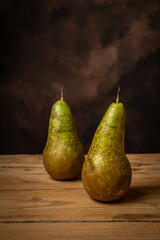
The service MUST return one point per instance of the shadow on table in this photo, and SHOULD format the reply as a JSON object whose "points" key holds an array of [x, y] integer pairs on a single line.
{"points": [[134, 195]]}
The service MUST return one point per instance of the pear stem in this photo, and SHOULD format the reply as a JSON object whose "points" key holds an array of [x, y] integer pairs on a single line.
{"points": [[62, 93], [118, 93]]}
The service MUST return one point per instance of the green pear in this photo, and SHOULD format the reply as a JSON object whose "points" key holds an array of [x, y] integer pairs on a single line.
{"points": [[106, 172], [63, 154]]}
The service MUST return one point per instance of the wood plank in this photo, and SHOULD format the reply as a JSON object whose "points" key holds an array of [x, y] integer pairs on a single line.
{"points": [[78, 231], [28, 193], [77, 205], [27, 172]]}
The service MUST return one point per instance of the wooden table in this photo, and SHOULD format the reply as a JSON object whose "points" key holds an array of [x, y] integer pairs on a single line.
{"points": [[33, 206]]}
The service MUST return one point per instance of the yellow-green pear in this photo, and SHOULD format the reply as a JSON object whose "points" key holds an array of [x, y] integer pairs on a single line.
{"points": [[106, 172], [63, 154]]}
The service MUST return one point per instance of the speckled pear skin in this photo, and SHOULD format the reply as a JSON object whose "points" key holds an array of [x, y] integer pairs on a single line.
{"points": [[106, 172], [63, 154]]}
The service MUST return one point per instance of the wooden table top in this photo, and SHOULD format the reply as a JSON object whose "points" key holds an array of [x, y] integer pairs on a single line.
{"points": [[34, 206]]}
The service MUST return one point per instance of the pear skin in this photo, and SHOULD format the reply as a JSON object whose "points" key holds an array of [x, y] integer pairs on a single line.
{"points": [[63, 154], [106, 172]]}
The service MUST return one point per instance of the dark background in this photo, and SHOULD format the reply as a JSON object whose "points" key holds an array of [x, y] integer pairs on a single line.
{"points": [[90, 48]]}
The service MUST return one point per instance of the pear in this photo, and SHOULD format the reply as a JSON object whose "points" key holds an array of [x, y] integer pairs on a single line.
{"points": [[106, 172], [63, 154]]}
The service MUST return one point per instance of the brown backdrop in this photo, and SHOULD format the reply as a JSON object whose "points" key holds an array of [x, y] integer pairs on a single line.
{"points": [[89, 47]]}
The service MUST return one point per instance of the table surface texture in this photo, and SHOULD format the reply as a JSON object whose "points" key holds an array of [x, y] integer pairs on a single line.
{"points": [[34, 206]]}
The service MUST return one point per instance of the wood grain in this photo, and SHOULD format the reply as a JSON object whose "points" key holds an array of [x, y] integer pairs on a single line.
{"points": [[20, 172], [30, 199], [79, 231], [69, 204]]}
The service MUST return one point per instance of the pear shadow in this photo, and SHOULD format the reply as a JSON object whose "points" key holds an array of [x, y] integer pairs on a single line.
{"points": [[133, 195], [77, 178]]}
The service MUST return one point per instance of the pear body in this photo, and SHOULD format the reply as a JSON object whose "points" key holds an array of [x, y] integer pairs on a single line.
{"points": [[63, 154], [106, 172]]}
